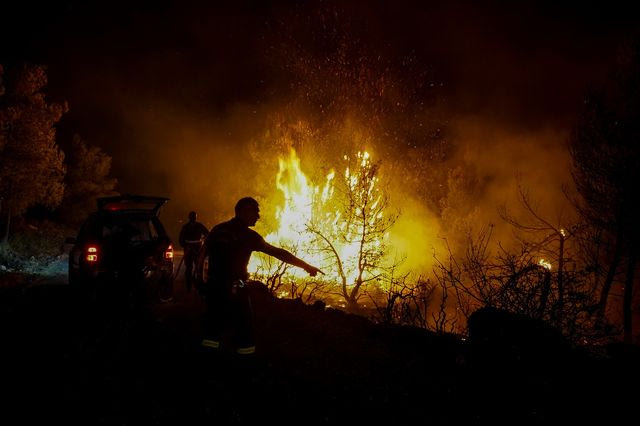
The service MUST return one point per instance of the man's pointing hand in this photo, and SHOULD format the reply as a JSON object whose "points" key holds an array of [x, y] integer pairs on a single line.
{"points": [[313, 271]]}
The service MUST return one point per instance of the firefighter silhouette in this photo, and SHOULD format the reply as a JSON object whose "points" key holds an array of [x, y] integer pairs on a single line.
{"points": [[191, 237], [229, 246]]}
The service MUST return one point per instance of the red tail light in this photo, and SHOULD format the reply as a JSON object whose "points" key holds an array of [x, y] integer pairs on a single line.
{"points": [[92, 254], [168, 253]]}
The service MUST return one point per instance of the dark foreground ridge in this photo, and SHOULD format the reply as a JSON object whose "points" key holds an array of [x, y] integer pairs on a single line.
{"points": [[63, 362]]}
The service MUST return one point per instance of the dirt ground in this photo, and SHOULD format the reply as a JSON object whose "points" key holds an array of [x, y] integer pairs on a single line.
{"points": [[63, 361]]}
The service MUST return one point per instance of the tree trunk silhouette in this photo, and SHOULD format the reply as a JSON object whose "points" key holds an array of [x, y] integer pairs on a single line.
{"points": [[544, 297], [628, 297], [611, 273], [561, 280]]}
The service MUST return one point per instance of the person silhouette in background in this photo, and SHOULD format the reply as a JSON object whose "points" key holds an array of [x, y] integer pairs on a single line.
{"points": [[191, 238]]}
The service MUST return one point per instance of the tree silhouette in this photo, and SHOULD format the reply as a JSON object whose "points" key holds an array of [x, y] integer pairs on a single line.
{"points": [[363, 223], [31, 164], [87, 178], [606, 168], [549, 240]]}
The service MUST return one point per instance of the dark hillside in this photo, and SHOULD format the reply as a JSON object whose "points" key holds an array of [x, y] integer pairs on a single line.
{"points": [[64, 362]]}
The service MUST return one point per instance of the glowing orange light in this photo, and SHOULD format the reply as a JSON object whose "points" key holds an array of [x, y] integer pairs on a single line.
{"points": [[306, 204]]}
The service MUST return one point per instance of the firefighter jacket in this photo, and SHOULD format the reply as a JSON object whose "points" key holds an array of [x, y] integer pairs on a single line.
{"points": [[229, 246]]}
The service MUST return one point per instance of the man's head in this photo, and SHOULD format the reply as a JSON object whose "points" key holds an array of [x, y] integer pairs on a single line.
{"points": [[193, 216], [248, 211]]}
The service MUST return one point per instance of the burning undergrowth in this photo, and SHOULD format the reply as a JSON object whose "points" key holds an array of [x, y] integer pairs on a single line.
{"points": [[341, 225], [362, 169], [401, 246], [341, 208]]}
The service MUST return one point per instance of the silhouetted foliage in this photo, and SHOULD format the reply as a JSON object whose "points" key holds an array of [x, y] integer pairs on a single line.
{"points": [[514, 280], [87, 178], [31, 164], [606, 169], [501, 337], [547, 239]]}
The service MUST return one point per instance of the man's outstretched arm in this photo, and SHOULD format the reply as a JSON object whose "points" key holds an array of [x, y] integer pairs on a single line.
{"points": [[288, 257]]}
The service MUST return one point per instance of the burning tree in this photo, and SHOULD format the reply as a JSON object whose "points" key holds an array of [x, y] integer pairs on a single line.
{"points": [[341, 225], [355, 239]]}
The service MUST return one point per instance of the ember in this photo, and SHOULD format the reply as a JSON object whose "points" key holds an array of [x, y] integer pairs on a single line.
{"points": [[545, 264]]}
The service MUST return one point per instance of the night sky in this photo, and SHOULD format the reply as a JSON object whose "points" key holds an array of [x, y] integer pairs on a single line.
{"points": [[130, 72]]}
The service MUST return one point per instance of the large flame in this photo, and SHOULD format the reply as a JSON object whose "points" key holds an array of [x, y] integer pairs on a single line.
{"points": [[314, 216]]}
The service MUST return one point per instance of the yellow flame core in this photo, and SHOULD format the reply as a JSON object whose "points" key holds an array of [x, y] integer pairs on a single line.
{"points": [[298, 201], [310, 211]]}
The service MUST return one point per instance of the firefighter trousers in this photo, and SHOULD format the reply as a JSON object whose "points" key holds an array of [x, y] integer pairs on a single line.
{"points": [[229, 311]]}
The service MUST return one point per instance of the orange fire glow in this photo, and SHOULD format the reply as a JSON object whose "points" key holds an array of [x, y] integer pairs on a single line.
{"points": [[313, 216]]}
